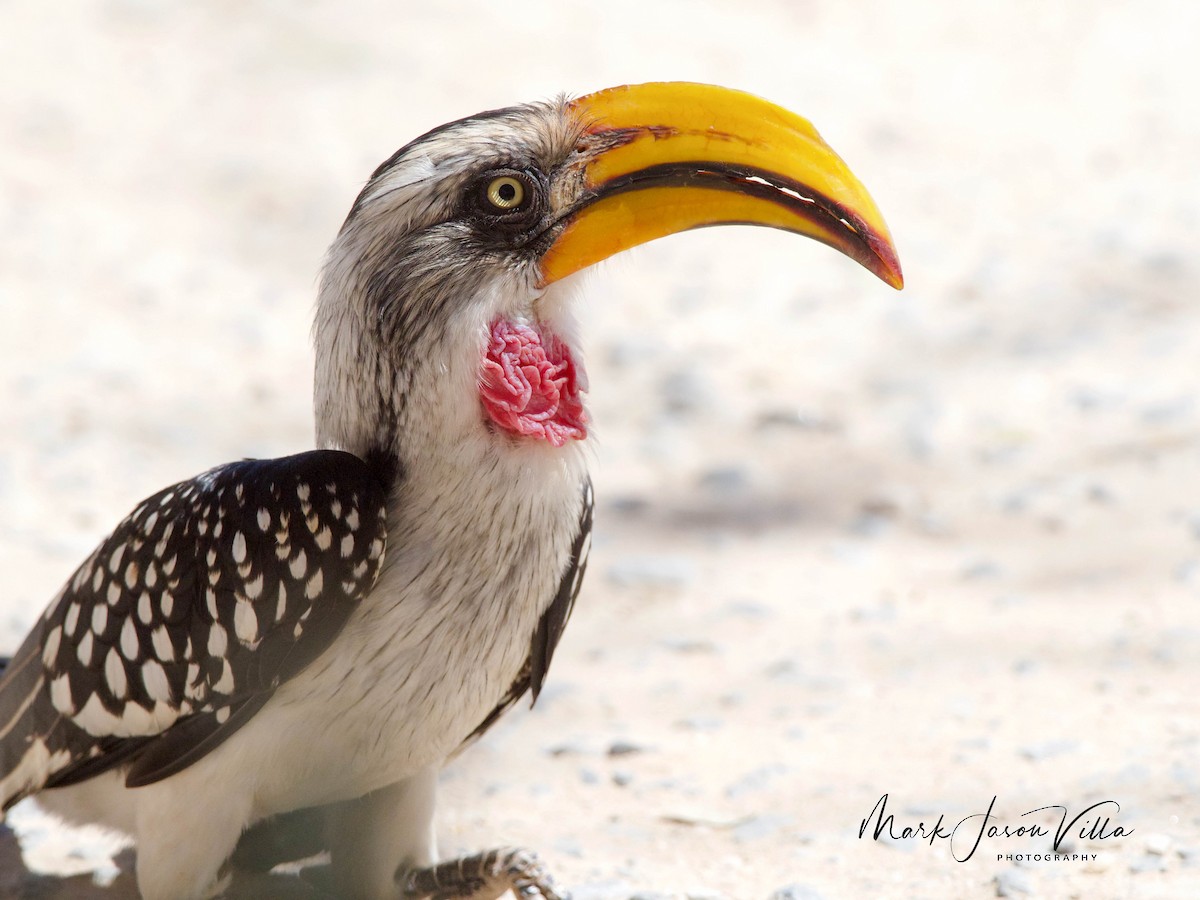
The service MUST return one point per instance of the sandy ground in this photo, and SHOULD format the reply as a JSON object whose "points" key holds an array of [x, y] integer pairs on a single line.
{"points": [[943, 545]]}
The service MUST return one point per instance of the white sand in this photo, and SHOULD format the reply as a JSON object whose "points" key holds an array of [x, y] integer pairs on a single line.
{"points": [[943, 544]]}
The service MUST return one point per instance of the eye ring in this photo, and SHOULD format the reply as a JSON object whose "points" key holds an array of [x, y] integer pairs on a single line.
{"points": [[506, 193]]}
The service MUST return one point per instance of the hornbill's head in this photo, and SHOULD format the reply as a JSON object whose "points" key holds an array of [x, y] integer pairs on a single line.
{"points": [[441, 317]]}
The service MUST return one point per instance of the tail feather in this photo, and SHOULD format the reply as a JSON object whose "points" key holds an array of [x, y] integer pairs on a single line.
{"points": [[25, 760]]}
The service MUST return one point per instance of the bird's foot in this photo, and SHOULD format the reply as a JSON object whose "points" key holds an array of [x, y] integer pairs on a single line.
{"points": [[484, 876]]}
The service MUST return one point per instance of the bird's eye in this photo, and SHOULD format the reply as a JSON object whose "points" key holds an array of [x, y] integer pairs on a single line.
{"points": [[506, 193]]}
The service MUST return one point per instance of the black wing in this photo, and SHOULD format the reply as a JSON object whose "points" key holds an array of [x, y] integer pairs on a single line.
{"points": [[183, 622], [554, 620]]}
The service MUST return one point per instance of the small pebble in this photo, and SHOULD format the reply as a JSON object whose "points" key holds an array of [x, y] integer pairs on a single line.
{"points": [[757, 780], [798, 419], [701, 723], [652, 571], [727, 479], [760, 827], [1148, 862], [870, 525], [1012, 882], [566, 749], [747, 609], [981, 570], [568, 846], [1157, 844], [797, 892], [685, 391], [1048, 749], [690, 645], [625, 748]]}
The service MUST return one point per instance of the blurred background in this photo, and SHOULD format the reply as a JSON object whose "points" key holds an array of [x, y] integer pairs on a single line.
{"points": [[942, 544]]}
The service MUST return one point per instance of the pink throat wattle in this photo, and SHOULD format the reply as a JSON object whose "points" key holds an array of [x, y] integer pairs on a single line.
{"points": [[529, 384]]}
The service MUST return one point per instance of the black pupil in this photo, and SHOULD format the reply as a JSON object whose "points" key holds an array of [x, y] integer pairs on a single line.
{"points": [[507, 192]]}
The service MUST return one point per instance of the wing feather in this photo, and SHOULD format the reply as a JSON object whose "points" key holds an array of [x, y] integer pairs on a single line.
{"points": [[183, 622]]}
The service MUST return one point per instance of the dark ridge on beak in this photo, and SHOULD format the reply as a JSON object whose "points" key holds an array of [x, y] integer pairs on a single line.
{"points": [[862, 244]]}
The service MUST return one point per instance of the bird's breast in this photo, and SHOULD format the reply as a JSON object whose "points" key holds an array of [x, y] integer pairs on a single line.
{"points": [[473, 559]]}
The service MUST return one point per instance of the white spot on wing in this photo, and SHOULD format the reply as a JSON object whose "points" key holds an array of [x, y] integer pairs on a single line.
{"points": [[224, 684], [60, 695], [50, 647], [95, 719], [129, 640], [299, 565], [84, 650], [239, 548], [264, 519], [164, 715], [114, 674], [36, 764], [114, 561], [313, 589], [136, 719], [144, 611], [154, 677], [254, 588], [163, 648], [218, 640], [245, 621], [99, 618]]}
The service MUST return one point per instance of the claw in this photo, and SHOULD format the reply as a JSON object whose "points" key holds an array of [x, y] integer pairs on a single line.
{"points": [[484, 876]]}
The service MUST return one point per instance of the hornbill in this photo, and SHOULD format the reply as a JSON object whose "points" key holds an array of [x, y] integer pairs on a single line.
{"points": [[324, 631]]}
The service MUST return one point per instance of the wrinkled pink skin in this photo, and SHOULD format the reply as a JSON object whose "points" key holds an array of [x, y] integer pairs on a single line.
{"points": [[529, 385]]}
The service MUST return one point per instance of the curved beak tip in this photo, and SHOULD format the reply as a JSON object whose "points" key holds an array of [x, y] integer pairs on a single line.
{"points": [[888, 262]]}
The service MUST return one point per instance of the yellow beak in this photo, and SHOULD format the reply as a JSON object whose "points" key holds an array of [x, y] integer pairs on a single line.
{"points": [[659, 158]]}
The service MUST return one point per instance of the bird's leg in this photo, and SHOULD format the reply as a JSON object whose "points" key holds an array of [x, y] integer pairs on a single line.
{"points": [[368, 836], [186, 831], [484, 876]]}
